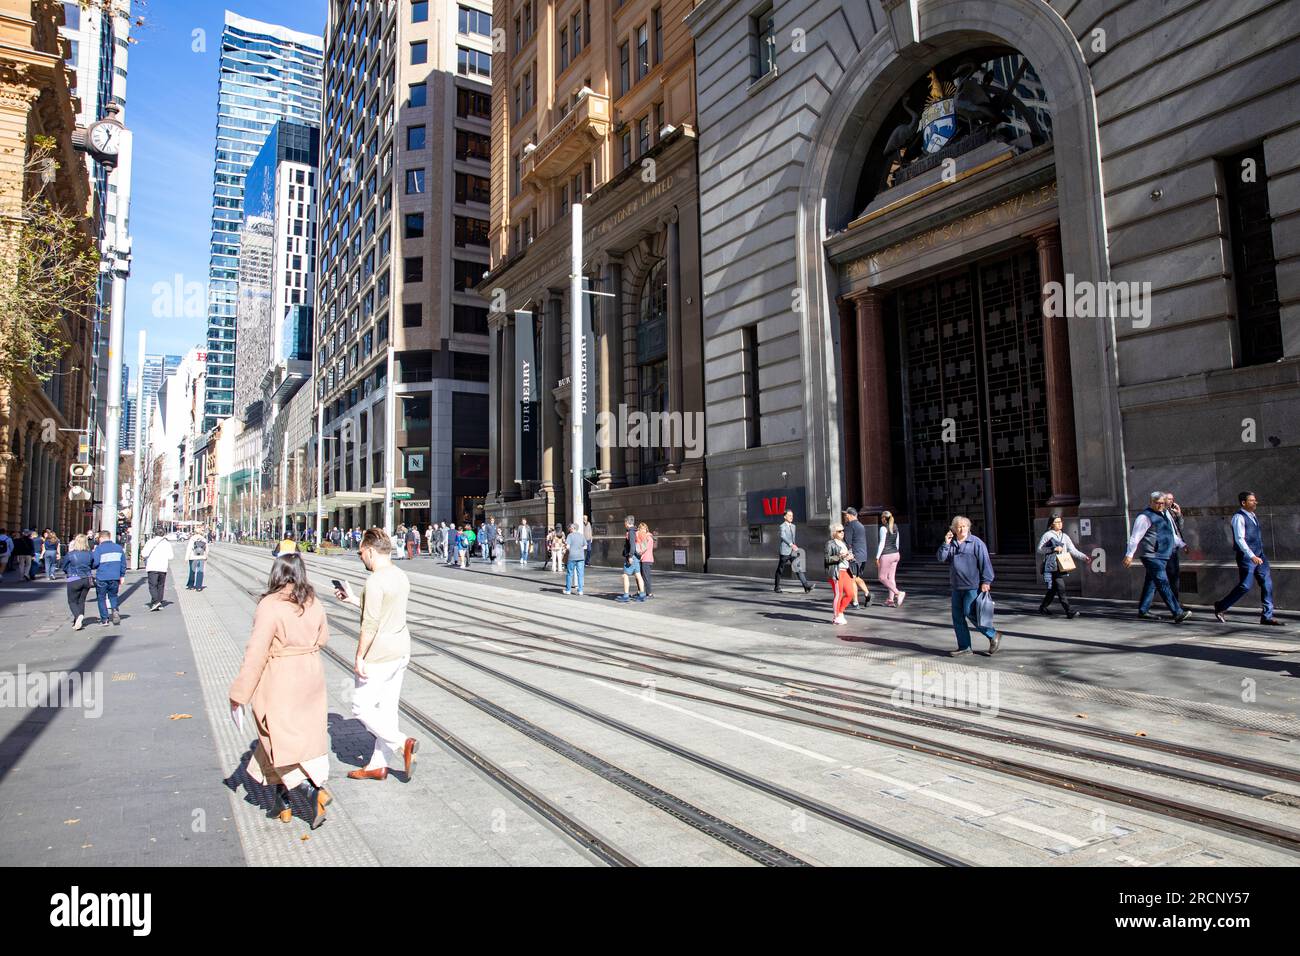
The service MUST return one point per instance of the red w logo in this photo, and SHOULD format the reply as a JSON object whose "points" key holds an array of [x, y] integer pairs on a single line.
{"points": [[774, 506]]}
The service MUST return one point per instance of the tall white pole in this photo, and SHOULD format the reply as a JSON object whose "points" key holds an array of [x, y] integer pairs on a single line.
{"points": [[120, 267], [284, 483], [390, 436], [320, 474], [576, 341], [137, 495]]}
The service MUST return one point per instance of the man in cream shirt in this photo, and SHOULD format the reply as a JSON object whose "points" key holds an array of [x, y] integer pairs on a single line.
{"points": [[383, 651]]}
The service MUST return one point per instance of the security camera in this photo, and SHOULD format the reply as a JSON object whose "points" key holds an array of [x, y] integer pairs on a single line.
{"points": [[529, 147]]}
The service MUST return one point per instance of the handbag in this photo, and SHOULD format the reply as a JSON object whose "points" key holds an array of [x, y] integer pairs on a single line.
{"points": [[983, 610], [1064, 563]]}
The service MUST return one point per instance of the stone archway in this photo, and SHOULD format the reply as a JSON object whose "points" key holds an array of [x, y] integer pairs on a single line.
{"points": [[919, 33]]}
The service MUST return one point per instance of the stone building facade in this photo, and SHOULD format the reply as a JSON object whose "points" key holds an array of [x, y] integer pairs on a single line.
{"points": [[36, 101], [885, 196], [593, 103]]}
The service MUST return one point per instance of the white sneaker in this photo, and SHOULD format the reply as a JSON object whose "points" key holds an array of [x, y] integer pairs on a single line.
{"points": [[840, 620], [76, 625]]}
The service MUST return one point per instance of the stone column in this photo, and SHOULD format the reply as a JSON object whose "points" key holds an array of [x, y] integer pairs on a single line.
{"points": [[610, 346], [873, 403], [674, 266], [1060, 388], [509, 413], [849, 400]]}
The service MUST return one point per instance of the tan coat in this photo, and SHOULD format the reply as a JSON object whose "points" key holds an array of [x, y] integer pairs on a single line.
{"points": [[283, 678]]}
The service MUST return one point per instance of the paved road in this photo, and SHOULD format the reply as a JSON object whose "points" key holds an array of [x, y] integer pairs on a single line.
{"points": [[708, 695]]}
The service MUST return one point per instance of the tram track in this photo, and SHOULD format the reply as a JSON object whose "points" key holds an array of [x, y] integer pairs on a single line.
{"points": [[720, 830], [1210, 817]]}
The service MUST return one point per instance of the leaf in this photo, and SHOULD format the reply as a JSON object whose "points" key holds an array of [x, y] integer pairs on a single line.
{"points": [[1082, 716], [180, 717], [1140, 733], [305, 837], [71, 822], [180, 673]]}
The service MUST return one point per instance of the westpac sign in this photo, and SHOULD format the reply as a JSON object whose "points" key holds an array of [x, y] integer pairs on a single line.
{"points": [[770, 505]]}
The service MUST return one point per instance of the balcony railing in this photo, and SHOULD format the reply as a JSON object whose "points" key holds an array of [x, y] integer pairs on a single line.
{"points": [[569, 140]]}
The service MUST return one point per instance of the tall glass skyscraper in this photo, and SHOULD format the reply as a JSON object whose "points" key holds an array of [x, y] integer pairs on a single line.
{"points": [[268, 73]]}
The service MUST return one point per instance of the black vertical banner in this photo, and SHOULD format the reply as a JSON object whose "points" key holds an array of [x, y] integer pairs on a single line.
{"points": [[526, 389], [589, 459]]}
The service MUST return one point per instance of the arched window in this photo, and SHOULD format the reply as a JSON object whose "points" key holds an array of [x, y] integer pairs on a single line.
{"points": [[989, 95], [652, 370]]}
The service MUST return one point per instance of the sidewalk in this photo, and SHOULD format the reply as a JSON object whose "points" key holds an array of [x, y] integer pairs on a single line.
{"points": [[97, 773]]}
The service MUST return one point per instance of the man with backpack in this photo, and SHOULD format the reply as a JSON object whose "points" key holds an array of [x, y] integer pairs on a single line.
{"points": [[196, 553]]}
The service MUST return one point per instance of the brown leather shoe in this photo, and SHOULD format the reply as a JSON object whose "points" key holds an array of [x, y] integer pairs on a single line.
{"points": [[408, 755], [379, 773]]}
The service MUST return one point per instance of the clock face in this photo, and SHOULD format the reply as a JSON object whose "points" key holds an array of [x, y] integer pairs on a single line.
{"points": [[105, 138]]}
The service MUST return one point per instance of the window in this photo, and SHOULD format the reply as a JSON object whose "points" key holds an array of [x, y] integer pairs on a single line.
{"points": [[471, 232], [624, 74], [415, 413], [575, 26], [576, 184], [564, 200], [519, 101], [529, 87], [474, 21], [473, 62], [420, 11], [564, 50], [414, 181], [413, 269], [749, 346], [414, 225], [643, 135], [514, 176], [466, 274], [472, 145], [1254, 263], [469, 319], [472, 104], [762, 43], [419, 52], [471, 188], [642, 52], [519, 35], [657, 31], [415, 137], [419, 94], [625, 148], [412, 314], [652, 362]]}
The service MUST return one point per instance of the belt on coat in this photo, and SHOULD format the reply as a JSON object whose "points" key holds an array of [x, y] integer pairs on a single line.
{"points": [[294, 650]]}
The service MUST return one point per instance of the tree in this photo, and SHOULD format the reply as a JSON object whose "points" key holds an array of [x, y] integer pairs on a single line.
{"points": [[48, 270]]}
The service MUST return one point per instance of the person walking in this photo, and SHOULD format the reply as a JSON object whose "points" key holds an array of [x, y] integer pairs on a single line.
{"points": [[412, 543], [838, 560], [51, 554], [429, 534], [575, 566], [1252, 563], [282, 679], [631, 563], [645, 543], [196, 555], [108, 561], [383, 652], [787, 551], [524, 535], [887, 557], [464, 541], [492, 533], [1055, 545], [23, 553], [158, 556], [6, 551], [1153, 540], [855, 536], [556, 547], [588, 535], [76, 569], [1174, 568], [970, 574]]}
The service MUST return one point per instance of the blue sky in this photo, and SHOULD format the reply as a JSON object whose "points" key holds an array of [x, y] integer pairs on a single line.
{"points": [[171, 106]]}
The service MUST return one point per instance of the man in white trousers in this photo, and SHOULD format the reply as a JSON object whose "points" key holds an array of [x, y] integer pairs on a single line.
{"points": [[383, 651]]}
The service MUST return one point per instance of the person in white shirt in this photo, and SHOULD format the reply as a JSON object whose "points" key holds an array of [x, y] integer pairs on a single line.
{"points": [[1252, 562], [158, 555], [524, 535], [1154, 540]]}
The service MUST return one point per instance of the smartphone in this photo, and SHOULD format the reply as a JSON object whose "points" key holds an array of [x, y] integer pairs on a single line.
{"points": [[338, 585]]}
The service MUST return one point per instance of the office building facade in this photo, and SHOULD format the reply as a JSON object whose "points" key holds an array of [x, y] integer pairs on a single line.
{"points": [[268, 73]]}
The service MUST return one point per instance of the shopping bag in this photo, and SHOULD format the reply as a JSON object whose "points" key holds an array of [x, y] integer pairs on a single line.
{"points": [[983, 611]]}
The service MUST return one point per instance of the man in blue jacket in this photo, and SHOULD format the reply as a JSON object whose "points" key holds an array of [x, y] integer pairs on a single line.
{"points": [[971, 572], [1252, 562], [109, 562]]}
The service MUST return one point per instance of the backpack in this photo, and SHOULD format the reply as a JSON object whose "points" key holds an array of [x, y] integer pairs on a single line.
{"points": [[200, 548]]}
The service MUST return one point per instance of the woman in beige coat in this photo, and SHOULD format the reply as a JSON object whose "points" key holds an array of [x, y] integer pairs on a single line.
{"points": [[284, 680]]}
